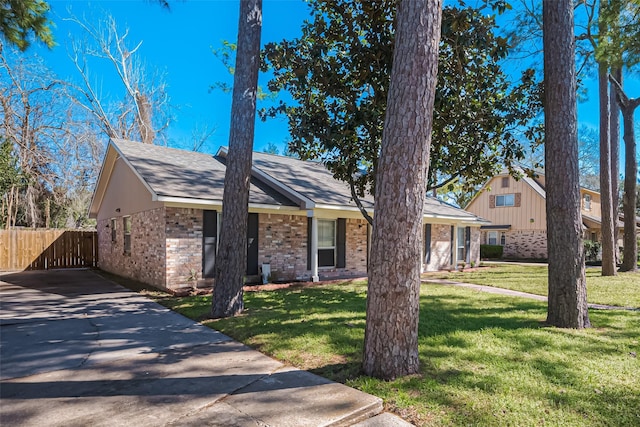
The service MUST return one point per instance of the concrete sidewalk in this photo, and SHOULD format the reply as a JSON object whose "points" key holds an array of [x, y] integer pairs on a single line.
{"points": [[77, 349], [509, 292]]}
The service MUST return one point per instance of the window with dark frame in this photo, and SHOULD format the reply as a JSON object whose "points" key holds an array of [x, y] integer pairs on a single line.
{"points": [[505, 182], [126, 226], [326, 243]]}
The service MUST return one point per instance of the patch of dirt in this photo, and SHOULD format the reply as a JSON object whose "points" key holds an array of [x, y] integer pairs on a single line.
{"points": [[301, 285]]}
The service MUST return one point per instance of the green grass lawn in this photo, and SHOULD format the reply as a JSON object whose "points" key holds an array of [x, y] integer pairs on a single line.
{"points": [[622, 290], [486, 359]]}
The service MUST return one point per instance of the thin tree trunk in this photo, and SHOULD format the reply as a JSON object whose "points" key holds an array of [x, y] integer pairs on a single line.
{"points": [[606, 201], [629, 199], [567, 304], [144, 118], [630, 254], [231, 260], [11, 201], [391, 334]]}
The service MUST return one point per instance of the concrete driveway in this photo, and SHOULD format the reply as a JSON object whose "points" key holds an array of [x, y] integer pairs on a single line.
{"points": [[78, 350]]}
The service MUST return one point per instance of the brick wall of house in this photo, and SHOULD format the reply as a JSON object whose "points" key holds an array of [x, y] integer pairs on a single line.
{"points": [[282, 243], [166, 247], [526, 244], [475, 245], [440, 248], [183, 229], [146, 260], [356, 247]]}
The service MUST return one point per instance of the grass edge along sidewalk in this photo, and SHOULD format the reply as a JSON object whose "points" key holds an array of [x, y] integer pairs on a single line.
{"points": [[486, 359], [622, 290]]}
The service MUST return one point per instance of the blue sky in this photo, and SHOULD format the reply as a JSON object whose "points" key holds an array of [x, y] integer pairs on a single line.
{"points": [[178, 43]]}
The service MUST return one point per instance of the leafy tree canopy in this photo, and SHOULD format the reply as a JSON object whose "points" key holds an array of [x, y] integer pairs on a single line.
{"points": [[337, 74], [620, 45], [20, 18]]}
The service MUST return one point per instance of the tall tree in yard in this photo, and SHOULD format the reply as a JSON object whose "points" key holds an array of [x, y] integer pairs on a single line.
{"points": [[621, 48], [607, 207], [231, 260], [628, 106], [567, 305], [391, 334], [344, 58]]}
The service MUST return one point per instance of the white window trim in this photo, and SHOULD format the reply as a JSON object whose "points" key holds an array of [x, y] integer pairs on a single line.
{"points": [[461, 245]]}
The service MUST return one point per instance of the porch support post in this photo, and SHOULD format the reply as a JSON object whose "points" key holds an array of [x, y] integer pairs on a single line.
{"points": [[314, 247], [422, 255], [455, 247]]}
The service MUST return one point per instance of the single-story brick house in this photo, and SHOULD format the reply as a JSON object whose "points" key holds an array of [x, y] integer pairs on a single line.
{"points": [[158, 216]]}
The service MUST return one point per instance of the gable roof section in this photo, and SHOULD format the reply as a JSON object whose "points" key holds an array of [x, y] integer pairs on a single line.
{"points": [[277, 181], [538, 188], [177, 175], [535, 185]]}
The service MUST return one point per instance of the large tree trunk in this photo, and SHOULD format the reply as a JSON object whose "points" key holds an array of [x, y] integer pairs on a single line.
{"points": [[391, 334], [231, 260], [567, 305], [606, 201], [614, 131]]}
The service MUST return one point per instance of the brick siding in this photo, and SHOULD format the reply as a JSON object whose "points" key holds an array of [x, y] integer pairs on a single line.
{"points": [[166, 248], [440, 248], [183, 247], [526, 244], [282, 243], [146, 260]]}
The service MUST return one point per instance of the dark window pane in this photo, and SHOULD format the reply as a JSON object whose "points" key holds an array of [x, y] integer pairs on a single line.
{"points": [[326, 258]]}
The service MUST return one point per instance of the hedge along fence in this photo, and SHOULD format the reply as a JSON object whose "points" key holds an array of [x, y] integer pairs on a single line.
{"points": [[491, 251], [42, 249]]}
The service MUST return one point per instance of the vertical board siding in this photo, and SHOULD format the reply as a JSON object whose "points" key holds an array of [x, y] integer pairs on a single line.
{"points": [[45, 249], [529, 205]]}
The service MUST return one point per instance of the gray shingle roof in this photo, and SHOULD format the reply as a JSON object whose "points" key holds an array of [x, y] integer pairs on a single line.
{"points": [[439, 209], [187, 174], [310, 179], [184, 174], [314, 181]]}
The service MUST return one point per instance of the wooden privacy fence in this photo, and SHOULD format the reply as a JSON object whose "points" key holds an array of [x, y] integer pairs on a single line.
{"points": [[38, 249]]}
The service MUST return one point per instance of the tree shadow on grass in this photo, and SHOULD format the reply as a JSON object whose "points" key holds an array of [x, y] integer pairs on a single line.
{"points": [[455, 328]]}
